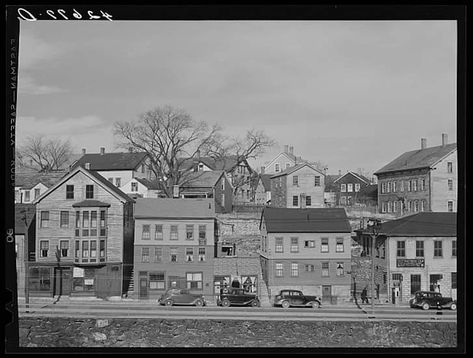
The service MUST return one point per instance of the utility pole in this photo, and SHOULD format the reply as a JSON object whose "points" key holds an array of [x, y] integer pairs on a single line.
{"points": [[26, 254], [374, 225]]}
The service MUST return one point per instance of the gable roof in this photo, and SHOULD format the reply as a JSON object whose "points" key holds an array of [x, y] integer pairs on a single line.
{"points": [[428, 224], [150, 184], [356, 175], [369, 190], [203, 179], [420, 158], [111, 161], [223, 163], [93, 176], [305, 220], [295, 168], [266, 181], [289, 156], [174, 208], [22, 210], [29, 179]]}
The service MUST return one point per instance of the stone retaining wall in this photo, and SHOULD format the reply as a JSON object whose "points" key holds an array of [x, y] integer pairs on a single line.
{"points": [[63, 332]]}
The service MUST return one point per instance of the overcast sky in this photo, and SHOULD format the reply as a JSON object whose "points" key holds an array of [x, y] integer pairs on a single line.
{"points": [[349, 94]]}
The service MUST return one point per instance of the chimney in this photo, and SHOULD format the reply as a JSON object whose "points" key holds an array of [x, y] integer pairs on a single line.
{"points": [[444, 139], [87, 166], [83, 151], [130, 149], [291, 150], [286, 148], [339, 172], [175, 191], [423, 143], [102, 150], [197, 154], [262, 170]]}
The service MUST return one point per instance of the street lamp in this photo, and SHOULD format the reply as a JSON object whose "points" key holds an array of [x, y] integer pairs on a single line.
{"points": [[374, 225]]}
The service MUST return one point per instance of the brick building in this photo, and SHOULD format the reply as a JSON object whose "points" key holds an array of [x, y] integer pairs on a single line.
{"points": [[84, 238], [174, 246], [348, 187], [299, 186], [306, 249], [420, 180]]}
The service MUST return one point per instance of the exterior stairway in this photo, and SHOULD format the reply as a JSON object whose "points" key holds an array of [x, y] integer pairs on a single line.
{"points": [[131, 286]]}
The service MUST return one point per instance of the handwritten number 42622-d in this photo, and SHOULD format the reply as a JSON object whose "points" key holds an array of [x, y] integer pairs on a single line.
{"points": [[61, 14]]}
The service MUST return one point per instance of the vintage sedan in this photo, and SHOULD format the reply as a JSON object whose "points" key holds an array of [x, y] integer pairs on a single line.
{"points": [[231, 296], [295, 298], [176, 296], [429, 299]]}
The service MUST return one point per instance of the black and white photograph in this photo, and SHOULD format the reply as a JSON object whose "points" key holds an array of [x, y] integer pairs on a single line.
{"points": [[209, 179]]}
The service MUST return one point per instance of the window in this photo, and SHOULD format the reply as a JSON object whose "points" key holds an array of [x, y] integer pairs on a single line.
{"points": [[174, 232], [450, 184], [158, 232], [201, 254], [438, 248], [36, 193], [416, 205], [145, 254], [324, 245], [401, 249], [142, 168], [343, 200], [103, 227], [189, 232], [389, 186], [64, 219], [85, 223], [454, 247], [223, 183], [294, 244], [343, 188], [279, 245], [309, 243], [45, 219], [93, 223], [390, 206], [295, 200], [44, 248], [414, 185], [85, 249], [158, 254], [77, 250], [279, 270], [401, 185], [317, 180], [156, 281], [202, 235], [419, 248], [102, 250], [409, 205], [415, 283], [27, 195], [340, 269], [308, 200], [422, 205], [450, 205], [454, 280], [89, 191], [134, 186], [449, 167], [339, 247], [357, 187], [145, 235], [349, 188], [189, 254], [64, 248], [194, 280], [422, 184], [93, 249], [118, 182], [276, 167], [325, 269], [383, 207], [394, 186], [294, 269], [40, 279], [310, 268], [69, 191], [395, 203], [173, 254], [295, 180], [409, 185]]}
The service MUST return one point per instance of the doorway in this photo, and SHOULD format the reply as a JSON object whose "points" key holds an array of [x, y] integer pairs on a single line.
{"points": [[143, 289], [326, 293], [62, 283]]}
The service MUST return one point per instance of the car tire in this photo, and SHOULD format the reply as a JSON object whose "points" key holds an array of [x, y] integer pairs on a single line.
{"points": [[425, 306], [226, 303], [199, 303], [453, 306], [255, 303], [285, 304], [315, 304], [168, 303]]}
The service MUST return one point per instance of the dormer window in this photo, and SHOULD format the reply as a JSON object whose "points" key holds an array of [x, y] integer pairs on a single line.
{"points": [[201, 167], [276, 168]]}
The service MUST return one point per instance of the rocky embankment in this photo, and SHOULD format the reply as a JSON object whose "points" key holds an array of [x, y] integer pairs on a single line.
{"points": [[63, 332]]}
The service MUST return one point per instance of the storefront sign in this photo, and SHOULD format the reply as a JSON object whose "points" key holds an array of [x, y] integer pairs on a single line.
{"points": [[410, 263], [78, 272], [89, 281]]}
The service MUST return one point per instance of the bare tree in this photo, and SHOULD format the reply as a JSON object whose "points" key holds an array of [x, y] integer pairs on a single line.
{"points": [[167, 135], [43, 154]]}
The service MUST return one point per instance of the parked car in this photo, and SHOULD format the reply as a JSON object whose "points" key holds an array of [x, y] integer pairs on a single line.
{"points": [[295, 298], [232, 296], [176, 296], [429, 299]]}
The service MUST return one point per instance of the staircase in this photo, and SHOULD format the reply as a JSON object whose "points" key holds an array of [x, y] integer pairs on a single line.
{"points": [[131, 284]]}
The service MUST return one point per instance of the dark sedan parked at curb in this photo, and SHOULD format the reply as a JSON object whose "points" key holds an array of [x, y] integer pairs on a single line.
{"points": [[295, 298], [176, 296], [429, 299], [231, 296]]}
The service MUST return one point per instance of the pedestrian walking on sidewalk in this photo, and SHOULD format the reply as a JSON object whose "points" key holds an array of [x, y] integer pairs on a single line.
{"points": [[364, 296]]}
